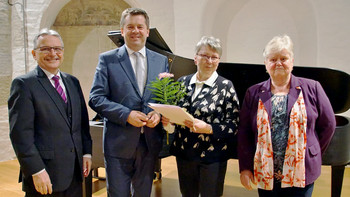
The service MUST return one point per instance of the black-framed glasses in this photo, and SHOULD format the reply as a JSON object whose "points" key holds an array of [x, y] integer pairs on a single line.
{"points": [[212, 58], [47, 49]]}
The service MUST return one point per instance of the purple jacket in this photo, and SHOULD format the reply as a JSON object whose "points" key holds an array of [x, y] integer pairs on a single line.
{"points": [[320, 122]]}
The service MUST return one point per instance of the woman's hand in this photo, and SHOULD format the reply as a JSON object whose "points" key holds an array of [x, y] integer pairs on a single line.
{"points": [[199, 126], [247, 177], [165, 121]]}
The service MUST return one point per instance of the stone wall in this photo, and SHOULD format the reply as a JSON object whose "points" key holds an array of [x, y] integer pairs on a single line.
{"points": [[243, 24], [5, 52], [6, 151], [83, 26]]}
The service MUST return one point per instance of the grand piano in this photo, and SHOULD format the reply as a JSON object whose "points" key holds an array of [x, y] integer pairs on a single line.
{"points": [[335, 83]]}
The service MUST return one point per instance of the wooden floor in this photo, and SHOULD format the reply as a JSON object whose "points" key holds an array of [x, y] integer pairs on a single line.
{"points": [[168, 186]]}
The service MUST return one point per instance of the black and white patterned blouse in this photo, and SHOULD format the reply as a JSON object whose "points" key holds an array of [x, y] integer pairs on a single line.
{"points": [[216, 105]]}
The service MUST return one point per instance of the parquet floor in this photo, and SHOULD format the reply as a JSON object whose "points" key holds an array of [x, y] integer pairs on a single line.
{"points": [[168, 185]]}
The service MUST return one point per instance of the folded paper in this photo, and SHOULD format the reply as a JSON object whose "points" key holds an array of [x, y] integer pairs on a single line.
{"points": [[174, 113]]}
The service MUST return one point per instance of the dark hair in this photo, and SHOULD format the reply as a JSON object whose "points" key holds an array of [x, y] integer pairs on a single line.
{"points": [[133, 12]]}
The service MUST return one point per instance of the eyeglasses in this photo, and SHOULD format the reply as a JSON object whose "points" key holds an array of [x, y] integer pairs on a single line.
{"points": [[206, 57], [47, 50]]}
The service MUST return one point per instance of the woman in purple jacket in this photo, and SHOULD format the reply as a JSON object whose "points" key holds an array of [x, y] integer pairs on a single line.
{"points": [[286, 123]]}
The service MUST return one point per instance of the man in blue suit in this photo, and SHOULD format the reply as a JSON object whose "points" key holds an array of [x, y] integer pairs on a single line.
{"points": [[132, 136]]}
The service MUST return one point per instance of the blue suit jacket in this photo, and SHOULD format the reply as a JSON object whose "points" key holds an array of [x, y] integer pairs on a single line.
{"points": [[320, 122], [114, 94]]}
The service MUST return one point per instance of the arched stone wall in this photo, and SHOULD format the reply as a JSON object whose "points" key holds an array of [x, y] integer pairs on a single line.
{"points": [[50, 13], [319, 29], [83, 26], [42, 14]]}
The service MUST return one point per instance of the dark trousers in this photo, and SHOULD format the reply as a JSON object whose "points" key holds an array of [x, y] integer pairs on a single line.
{"points": [[287, 192], [75, 189], [200, 178], [131, 176]]}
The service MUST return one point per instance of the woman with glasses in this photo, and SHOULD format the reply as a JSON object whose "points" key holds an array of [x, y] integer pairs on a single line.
{"points": [[203, 147]]}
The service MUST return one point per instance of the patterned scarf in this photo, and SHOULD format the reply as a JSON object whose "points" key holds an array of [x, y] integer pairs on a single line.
{"points": [[294, 161]]}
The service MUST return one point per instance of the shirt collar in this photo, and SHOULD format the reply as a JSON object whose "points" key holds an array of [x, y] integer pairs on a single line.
{"points": [[130, 51], [209, 82], [50, 75]]}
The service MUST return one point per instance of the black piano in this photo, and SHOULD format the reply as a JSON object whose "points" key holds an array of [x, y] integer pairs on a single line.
{"points": [[335, 83]]}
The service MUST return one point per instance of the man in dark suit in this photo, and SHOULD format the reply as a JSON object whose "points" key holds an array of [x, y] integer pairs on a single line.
{"points": [[132, 139], [49, 126]]}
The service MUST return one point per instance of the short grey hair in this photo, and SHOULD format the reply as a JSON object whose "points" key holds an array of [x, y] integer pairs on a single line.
{"points": [[213, 43], [277, 44], [44, 32], [133, 12]]}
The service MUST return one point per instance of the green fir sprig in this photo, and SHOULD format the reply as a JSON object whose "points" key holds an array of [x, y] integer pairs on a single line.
{"points": [[166, 90]]}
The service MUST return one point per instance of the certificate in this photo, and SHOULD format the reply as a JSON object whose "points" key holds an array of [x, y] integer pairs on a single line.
{"points": [[175, 113]]}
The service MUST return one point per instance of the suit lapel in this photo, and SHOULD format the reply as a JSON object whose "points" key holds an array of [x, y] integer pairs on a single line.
{"points": [[127, 67], [265, 96], [293, 92], [52, 92], [152, 73]]}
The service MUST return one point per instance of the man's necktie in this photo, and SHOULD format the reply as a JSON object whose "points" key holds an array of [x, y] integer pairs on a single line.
{"points": [[140, 72], [59, 88]]}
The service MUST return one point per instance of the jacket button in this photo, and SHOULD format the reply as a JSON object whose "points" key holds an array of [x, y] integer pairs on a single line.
{"points": [[72, 150]]}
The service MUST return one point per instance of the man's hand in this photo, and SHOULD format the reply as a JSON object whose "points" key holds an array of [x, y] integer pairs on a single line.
{"points": [[153, 119], [42, 183], [247, 177], [86, 166], [137, 118]]}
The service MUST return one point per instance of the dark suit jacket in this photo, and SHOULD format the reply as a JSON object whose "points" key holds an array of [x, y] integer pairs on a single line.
{"points": [[45, 132], [320, 122], [115, 93]]}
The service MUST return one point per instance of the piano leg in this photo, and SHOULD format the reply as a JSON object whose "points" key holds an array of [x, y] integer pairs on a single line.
{"points": [[87, 189], [95, 172], [337, 180]]}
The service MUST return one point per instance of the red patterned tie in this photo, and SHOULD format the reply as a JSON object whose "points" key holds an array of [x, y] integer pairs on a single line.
{"points": [[59, 88]]}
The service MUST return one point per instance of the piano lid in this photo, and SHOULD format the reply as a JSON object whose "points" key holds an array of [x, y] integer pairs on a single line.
{"points": [[335, 83]]}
